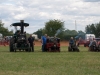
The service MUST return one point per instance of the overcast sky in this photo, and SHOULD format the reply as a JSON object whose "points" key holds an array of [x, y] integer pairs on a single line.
{"points": [[37, 12]]}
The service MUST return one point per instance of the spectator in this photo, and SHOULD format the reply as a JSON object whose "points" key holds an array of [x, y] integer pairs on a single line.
{"points": [[44, 40], [31, 41]]}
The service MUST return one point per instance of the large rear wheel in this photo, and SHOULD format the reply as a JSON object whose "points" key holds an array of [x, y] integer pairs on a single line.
{"points": [[11, 45]]}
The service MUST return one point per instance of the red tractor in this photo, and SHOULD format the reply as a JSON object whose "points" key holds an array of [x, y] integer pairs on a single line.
{"points": [[53, 44]]}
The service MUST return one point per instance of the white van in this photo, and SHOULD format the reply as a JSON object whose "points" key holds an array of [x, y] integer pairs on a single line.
{"points": [[89, 37]]}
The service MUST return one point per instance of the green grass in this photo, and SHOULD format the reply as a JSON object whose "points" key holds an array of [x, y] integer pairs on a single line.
{"points": [[49, 63]]}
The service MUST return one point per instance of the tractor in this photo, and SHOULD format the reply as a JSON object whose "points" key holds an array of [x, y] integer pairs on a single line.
{"points": [[94, 46], [19, 39], [73, 47], [53, 44]]}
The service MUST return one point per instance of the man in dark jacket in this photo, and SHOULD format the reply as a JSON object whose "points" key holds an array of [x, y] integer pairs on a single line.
{"points": [[31, 41]]}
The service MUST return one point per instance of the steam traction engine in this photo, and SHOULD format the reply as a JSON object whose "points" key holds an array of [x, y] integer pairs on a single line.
{"points": [[19, 39], [53, 44]]}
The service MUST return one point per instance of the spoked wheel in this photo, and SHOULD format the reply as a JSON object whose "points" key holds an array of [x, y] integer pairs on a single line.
{"points": [[11, 45]]}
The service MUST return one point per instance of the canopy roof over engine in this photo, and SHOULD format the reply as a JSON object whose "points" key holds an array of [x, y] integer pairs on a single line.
{"points": [[21, 24]]}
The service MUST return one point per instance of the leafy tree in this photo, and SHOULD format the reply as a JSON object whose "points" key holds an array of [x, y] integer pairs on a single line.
{"points": [[54, 27], [93, 29], [87, 29], [4, 30], [69, 33], [1, 24]]}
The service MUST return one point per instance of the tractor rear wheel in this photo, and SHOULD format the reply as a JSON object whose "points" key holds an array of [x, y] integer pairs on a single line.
{"points": [[11, 45]]}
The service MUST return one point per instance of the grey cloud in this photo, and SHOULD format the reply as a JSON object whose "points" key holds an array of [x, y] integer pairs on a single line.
{"points": [[91, 0]]}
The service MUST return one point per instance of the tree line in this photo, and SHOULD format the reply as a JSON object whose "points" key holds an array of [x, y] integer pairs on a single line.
{"points": [[93, 29], [56, 28]]}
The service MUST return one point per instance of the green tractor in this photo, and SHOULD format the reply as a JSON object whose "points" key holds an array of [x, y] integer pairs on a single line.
{"points": [[19, 40]]}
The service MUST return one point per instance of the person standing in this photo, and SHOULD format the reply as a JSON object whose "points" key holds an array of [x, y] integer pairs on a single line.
{"points": [[31, 41], [44, 40]]}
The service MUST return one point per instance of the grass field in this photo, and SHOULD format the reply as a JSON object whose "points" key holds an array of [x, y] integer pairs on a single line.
{"points": [[49, 63]]}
